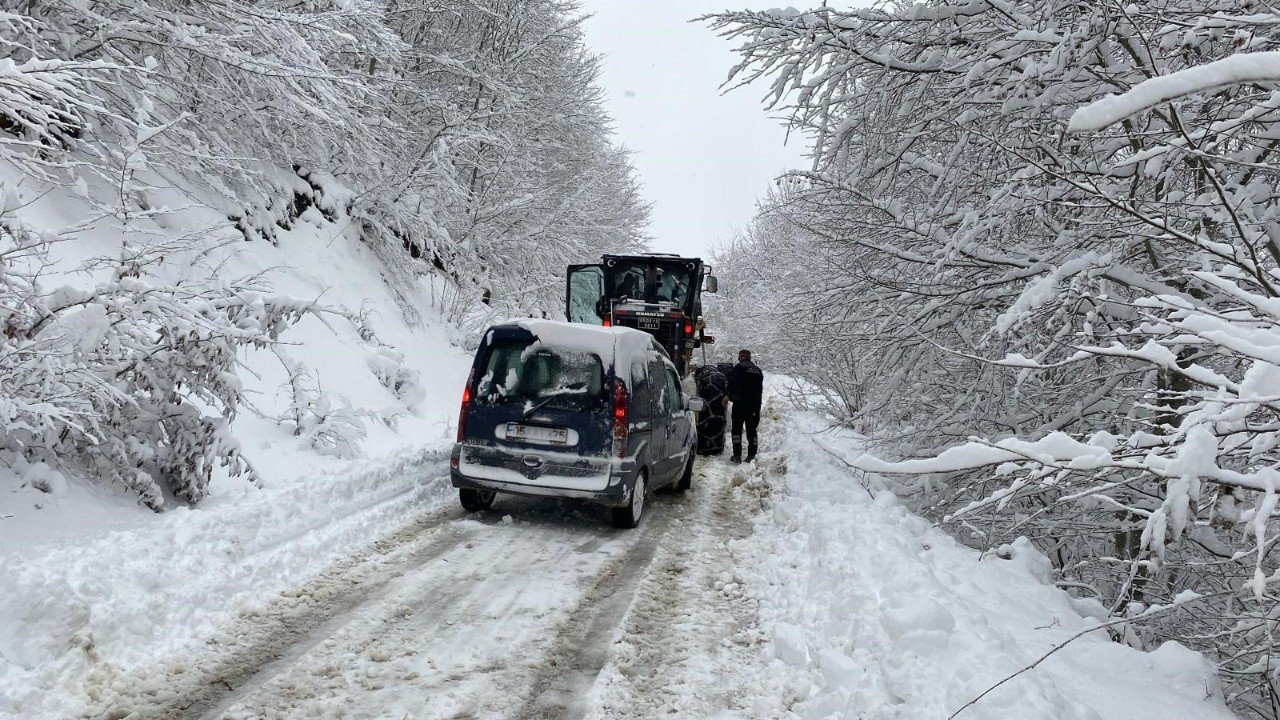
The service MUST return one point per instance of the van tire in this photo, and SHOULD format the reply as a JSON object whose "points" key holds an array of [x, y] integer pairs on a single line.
{"points": [[628, 516], [476, 500], [686, 479]]}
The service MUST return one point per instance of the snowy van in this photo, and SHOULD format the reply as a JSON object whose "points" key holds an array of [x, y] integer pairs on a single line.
{"points": [[558, 409]]}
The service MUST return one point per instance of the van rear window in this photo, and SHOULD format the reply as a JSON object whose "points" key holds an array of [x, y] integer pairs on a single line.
{"points": [[529, 372]]}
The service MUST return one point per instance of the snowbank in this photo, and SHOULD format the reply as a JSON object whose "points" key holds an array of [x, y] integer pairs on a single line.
{"points": [[135, 597], [873, 613], [92, 578]]}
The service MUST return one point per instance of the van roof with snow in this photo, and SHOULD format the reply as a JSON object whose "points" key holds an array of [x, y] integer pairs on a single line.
{"points": [[613, 345]]}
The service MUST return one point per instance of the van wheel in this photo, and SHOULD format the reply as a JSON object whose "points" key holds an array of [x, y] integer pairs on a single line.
{"points": [[629, 516], [476, 500], [686, 480]]}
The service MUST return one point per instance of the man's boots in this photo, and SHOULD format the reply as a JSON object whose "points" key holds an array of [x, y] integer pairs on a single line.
{"points": [[737, 453]]}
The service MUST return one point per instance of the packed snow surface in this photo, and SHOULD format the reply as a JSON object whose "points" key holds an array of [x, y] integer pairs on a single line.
{"points": [[793, 587]]}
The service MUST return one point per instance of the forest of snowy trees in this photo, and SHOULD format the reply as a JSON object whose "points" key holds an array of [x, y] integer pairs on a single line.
{"points": [[463, 139], [1039, 244], [1058, 313]]}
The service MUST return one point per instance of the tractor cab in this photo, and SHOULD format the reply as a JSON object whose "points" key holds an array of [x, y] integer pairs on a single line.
{"points": [[657, 293]]}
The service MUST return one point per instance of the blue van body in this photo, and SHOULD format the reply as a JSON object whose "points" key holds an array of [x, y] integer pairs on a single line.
{"points": [[558, 409]]}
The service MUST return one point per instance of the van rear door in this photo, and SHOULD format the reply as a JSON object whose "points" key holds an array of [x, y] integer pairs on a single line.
{"points": [[646, 431], [530, 396]]}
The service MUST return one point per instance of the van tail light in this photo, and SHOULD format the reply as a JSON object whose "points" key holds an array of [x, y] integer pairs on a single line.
{"points": [[619, 418], [607, 321], [688, 326], [466, 403]]}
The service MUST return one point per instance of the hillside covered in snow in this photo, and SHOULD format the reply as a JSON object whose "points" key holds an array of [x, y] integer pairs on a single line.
{"points": [[222, 224]]}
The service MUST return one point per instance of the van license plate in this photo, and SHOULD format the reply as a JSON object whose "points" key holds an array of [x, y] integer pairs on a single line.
{"points": [[534, 433], [649, 323]]}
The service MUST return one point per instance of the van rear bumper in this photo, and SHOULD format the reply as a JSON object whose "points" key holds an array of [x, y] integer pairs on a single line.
{"points": [[607, 481]]}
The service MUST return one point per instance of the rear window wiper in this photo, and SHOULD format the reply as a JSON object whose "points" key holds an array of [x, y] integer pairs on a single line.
{"points": [[537, 406], [552, 396]]}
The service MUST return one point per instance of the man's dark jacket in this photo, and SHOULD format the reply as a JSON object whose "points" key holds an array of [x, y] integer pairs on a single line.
{"points": [[746, 385]]}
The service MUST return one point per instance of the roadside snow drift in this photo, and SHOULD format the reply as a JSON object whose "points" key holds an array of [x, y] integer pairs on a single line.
{"points": [[148, 596], [873, 613], [347, 422]]}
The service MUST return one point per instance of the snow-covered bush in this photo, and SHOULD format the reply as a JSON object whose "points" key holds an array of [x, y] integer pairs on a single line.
{"points": [[131, 382], [40, 475], [337, 431], [403, 381]]}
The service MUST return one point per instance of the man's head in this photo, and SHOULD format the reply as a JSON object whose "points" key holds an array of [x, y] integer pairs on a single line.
{"points": [[744, 355]]}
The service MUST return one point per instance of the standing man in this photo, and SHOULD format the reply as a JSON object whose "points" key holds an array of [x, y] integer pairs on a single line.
{"points": [[746, 390]]}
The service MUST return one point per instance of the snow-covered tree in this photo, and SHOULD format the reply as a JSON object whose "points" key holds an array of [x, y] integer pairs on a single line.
{"points": [[465, 140], [1086, 289]]}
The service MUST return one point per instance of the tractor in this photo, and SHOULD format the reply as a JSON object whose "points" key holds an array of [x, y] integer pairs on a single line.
{"points": [[662, 295], [658, 293]]}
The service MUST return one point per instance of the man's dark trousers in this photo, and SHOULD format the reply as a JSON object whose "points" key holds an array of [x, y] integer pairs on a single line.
{"points": [[749, 417]]}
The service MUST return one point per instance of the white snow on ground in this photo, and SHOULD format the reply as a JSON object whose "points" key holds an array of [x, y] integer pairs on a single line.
{"points": [[784, 589], [89, 577], [873, 613], [142, 596]]}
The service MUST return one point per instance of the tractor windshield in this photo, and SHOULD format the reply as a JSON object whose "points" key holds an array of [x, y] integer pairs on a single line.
{"points": [[629, 281], [673, 284], [652, 282]]}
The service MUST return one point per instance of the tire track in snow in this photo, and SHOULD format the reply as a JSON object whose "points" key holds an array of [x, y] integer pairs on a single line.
{"points": [[261, 638], [581, 645], [514, 611], [679, 619], [689, 646]]}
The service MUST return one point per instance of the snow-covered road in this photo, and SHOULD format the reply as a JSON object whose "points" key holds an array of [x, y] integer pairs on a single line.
{"points": [[784, 589], [471, 618], [475, 616]]}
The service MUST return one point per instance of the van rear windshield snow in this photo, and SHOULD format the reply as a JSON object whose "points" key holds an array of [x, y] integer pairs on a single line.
{"points": [[528, 372]]}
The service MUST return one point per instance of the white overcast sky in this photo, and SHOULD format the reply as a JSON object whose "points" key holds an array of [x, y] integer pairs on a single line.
{"points": [[703, 157]]}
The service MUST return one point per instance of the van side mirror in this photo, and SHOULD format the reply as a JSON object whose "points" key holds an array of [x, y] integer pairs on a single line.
{"points": [[711, 283], [696, 404]]}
